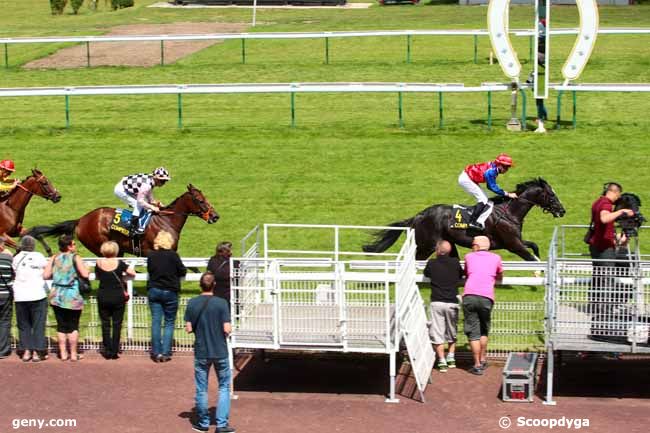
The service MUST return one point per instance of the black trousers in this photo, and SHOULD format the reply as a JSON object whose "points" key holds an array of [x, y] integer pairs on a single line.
{"points": [[30, 318], [111, 315]]}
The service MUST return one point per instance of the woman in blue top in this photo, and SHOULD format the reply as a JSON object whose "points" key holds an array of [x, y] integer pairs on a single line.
{"points": [[65, 298]]}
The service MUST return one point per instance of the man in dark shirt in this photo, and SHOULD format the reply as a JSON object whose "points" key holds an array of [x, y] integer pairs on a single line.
{"points": [[602, 248], [446, 275], [209, 318], [219, 265]]}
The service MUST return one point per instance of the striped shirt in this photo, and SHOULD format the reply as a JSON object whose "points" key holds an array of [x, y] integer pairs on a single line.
{"points": [[6, 276]]}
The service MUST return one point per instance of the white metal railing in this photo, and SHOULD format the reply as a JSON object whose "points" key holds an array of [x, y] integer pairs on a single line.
{"points": [[302, 35]]}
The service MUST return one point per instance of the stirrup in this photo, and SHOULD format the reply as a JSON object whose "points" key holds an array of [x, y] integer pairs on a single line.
{"points": [[475, 226]]}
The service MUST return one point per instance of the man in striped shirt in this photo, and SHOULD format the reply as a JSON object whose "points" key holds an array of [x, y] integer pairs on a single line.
{"points": [[6, 299]]}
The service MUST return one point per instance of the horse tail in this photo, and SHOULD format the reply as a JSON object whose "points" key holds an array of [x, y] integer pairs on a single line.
{"points": [[62, 228], [386, 238]]}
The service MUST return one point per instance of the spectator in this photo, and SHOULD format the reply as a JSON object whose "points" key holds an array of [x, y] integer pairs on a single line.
{"points": [[111, 301], [208, 317], [219, 265], [446, 275], [165, 271], [6, 299], [30, 295], [65, 298], [483, 269], [603, 241]]}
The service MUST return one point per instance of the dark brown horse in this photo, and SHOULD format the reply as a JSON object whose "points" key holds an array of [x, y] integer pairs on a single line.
{"points": [[12, 207], [503, 226], [93, 229]]}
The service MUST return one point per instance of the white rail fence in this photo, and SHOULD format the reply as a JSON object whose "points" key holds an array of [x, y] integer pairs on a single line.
{"points": [[326, 36]]}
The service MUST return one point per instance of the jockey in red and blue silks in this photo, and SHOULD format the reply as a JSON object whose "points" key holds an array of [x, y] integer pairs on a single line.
{"points": [[484, 172]]}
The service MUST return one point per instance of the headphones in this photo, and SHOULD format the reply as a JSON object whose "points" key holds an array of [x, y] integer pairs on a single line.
{"points": [[608, 185]]}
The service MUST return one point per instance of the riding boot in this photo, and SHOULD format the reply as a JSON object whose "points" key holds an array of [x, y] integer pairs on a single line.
{"points": [[478, 210], [135, 225]]}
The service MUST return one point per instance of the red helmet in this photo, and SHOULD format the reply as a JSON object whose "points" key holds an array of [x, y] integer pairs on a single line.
{"points": [[504, 159], [7, 164]]}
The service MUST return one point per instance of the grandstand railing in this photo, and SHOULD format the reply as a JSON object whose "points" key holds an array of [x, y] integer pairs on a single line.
{"points": [[326, 36]]}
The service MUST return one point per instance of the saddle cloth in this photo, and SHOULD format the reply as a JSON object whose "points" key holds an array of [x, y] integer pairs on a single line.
{"points": [[122, 221]]}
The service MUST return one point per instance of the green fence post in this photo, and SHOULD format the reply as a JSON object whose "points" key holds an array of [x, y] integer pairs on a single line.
{"points": [[6, 56], [162, 53], [293, 109], [408, 48], [399, 109], [523, 109], [559, 109], [327, 51], [180, 111], [67, 111], [530, 49], [87, 54], [440, 108], [475, 49], [575, 120], [243, 51], [489, 119]]}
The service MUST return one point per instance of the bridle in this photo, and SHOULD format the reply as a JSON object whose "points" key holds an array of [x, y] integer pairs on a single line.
{"points": [[203, 212], [48, 193]]}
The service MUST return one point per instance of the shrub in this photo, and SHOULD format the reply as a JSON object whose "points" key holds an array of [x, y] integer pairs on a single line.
{"points": [[76, 5], [58, 6], [119, 4]]}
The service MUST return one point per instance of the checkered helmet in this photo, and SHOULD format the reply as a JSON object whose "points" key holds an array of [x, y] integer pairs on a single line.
{"points": [[161, 173]]}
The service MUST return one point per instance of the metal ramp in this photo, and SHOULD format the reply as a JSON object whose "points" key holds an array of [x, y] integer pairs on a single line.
{"points": [[302, 302]]}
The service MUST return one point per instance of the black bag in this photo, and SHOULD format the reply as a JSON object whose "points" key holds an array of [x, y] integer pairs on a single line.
{"points": [[589, 234], [84, 283]]}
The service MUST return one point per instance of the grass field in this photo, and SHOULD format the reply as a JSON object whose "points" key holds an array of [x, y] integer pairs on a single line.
{"points": [[347, 161]]}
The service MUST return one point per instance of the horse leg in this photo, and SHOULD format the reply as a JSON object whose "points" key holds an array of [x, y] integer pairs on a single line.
{"points": [[517, 246], [533, 246], [41, 239], [8, 241], [423, 252], [454, 251]]}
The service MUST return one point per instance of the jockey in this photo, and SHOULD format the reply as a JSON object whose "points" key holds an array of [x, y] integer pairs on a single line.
{"points": [[484, 172], [7, 185], [136, 190]]}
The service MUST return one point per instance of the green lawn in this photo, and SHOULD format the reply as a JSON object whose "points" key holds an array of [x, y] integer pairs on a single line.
{"points": [[347, 161]]}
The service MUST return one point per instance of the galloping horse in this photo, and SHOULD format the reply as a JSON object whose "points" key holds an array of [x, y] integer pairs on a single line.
{"points": [[503, 227], [12, 207], [93, 228]]}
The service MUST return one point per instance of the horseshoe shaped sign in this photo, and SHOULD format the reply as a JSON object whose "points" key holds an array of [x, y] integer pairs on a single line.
{"points": [[498, 17]]}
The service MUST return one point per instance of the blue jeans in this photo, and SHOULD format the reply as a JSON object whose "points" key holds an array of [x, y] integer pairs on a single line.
{"points": [[201, 371], [162, 302]]}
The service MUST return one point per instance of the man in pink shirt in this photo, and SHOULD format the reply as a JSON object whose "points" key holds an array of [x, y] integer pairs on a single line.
{"points": [[483, 270]]}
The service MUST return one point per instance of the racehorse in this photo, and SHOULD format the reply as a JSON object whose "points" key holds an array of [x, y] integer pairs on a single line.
{"points": [[503, 226], [12, 207], [94, 228]]}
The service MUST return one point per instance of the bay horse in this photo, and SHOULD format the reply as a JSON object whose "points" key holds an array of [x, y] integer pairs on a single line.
{"points": [[503, 226], [12, 206], [93, 228]]}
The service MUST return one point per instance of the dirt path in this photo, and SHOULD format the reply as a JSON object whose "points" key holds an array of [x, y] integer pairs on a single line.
{"points": [[312, 395], [137, 53]]}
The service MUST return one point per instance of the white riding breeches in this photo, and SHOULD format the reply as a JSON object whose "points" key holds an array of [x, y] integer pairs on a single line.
{"points": [[475, 191], [129, 200]]}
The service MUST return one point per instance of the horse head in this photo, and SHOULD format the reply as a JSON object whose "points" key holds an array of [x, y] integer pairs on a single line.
{"points": [[629, 224], [200, 206], [540, 193], [41, 186]]}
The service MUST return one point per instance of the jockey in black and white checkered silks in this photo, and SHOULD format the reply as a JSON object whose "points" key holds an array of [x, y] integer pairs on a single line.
{"points": [[136, 190]]}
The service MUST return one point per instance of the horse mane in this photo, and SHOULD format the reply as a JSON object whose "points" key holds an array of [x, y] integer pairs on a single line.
{"points": [[521, 187], [170, 205]]}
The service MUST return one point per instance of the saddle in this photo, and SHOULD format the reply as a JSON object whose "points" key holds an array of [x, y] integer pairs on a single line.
{"points": [[461, 216], [122, 221]]}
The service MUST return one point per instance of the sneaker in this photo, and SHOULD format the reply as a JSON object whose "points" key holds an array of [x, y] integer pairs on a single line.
{"points": [[442, 367], [476, 370], [484, 365], [198, 428], [225, 429], [451, 363]]}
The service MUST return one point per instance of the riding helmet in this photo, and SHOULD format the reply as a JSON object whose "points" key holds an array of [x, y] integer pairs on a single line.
{"points": [[7, 164], [504, 159], [161, 173]]}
